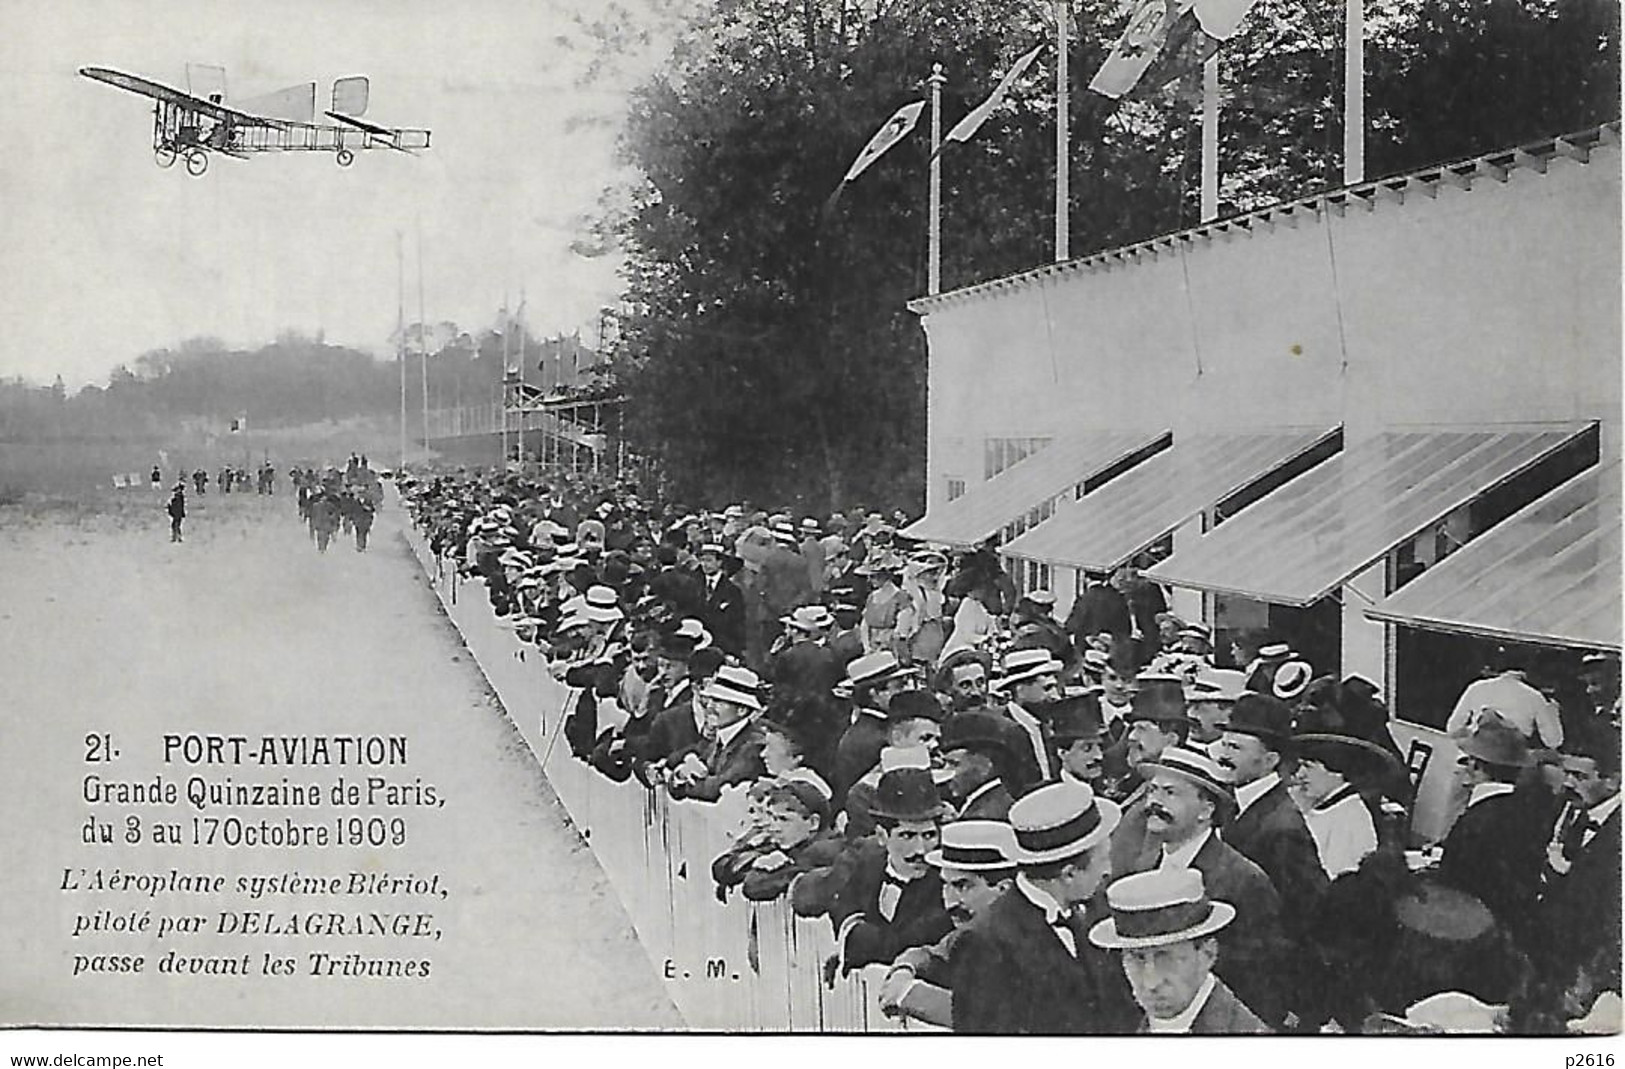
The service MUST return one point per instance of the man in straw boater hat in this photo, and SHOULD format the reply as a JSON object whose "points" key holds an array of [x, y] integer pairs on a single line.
{"points": [[804, 667], [1268, 828], [872, 680], [883, 897], [1030, 684], [977, 862], [734, 754], [1187, 802], [1166, 928], [1025, 966]]}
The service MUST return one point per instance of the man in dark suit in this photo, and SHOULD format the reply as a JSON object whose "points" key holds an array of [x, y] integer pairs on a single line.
{"points": [[890, 898], [873, 680], [1165, 924], [1101, 607], [1269, 829], [804, 668], [672, 727], [733, 755], [1025, 966], [975, 753], [1493, 851], [1577, 917], [1187, 800], [722, 603]]}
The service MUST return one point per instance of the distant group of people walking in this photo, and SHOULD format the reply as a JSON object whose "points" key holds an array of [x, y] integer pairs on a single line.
{"points": [[331, 501]]}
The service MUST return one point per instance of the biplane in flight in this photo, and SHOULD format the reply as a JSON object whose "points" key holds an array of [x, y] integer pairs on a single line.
{"points": [[187, 127]]}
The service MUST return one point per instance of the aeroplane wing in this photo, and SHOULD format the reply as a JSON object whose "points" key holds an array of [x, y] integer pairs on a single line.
{"points": [[156, 91]]}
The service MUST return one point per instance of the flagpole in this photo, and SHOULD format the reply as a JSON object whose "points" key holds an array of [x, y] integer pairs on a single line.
{"points": [[1063, 150], [933, 264], [423, 344], [1210, 139], [400, 332], [505, 391], [1353, 91], [523, 400]]}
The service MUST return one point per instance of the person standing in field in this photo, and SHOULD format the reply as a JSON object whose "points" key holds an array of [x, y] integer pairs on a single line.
{"points": [[177, 511]]}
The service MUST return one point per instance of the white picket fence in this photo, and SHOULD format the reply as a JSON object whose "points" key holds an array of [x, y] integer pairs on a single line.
{"points": [[735, 967]]}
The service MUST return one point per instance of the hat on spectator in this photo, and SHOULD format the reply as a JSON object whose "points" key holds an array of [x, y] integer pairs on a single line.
{"points": [[1059, 821], [1275, 651], [906, 794], [873, 669], [804, 795], [1022, 665], [1216, 685], [713, 548], [1262, 716], [980, 732], [915, 704], [1158, 698], [691, 629], [1495, 742], [975, 846], [1076, 717], [736, 685], [1156, 908], [809, 618], [602, 605], [1193, 767], [1291, 679]]}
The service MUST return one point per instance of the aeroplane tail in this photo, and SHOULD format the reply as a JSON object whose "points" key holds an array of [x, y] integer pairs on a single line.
{"points": [[350, 96]]}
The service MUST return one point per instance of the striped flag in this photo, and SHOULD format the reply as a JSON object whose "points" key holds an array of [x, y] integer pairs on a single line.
{"points": [[966, 128], [896, 128]]}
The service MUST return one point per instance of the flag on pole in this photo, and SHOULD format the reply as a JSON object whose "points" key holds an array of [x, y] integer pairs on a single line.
{"points": [[897, 127], [966, 128], [1165, 40]]}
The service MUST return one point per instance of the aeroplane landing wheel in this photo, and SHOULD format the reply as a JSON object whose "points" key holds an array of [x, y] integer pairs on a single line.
{"points": [[164, 156], [196, 163], [345, 157]]}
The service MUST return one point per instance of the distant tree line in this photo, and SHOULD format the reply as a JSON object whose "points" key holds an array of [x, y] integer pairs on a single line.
{"points": [[293, 381]]}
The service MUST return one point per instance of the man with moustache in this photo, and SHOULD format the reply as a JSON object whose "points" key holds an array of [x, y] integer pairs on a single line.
{"points": [[1075, 728], [1210, 698], [1156, 722], [1187, 801], [1025, 967], [964, 678], [975, 754], [977, 861], [885, 898]]}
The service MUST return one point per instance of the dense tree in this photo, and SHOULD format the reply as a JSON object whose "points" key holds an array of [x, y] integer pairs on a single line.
{"points": [[768, 352]]}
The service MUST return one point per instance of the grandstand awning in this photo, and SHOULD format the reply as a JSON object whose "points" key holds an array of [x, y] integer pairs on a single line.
{"points": [[1335, 520], [1142, 505], [987, 507], [1549, 573]]}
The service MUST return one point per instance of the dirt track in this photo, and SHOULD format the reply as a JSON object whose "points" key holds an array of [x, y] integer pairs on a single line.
{"points": [[244, 629]]}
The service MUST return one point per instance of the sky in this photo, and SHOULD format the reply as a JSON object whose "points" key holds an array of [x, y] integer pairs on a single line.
{"points": [[104, 256]]}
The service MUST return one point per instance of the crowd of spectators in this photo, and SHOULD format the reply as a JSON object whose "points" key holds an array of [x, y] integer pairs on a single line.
{"points": [[1096, 824]]}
